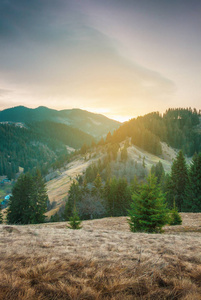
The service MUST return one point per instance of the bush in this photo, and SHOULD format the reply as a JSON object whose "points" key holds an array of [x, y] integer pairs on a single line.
{"points": [[175, 218], [75, 221]]}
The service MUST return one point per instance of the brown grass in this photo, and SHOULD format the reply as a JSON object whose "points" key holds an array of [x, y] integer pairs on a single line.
{"points": [[101, 261]]}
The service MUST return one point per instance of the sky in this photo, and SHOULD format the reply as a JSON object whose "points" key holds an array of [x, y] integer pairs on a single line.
{"points": [[120, 58]]}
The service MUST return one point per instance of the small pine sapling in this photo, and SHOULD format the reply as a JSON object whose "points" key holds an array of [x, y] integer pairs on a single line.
{"points": [[75, 221], [175, 218]]}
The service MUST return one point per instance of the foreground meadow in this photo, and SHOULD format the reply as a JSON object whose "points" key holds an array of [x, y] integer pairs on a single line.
{"points": [[103, 260]]}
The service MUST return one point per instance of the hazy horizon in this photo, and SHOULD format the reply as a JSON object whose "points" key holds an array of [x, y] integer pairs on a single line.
{"points": [[120, 59], [119, 119]]}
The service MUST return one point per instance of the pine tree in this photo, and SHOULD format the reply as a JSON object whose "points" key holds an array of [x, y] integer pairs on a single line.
{"points": [[148, 212], [20, 209], [110, 195], [193, 202], [158, 171], [98, 186], [74, 222], [175, 218], [39, 199], [28, 202], [74, 196], [179, 180]]}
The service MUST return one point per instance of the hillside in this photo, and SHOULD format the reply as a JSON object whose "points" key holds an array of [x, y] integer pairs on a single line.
{"points": [[58, 182], [58, 186], [94, 124], [103, 260], [179, 128], [37, 144]]}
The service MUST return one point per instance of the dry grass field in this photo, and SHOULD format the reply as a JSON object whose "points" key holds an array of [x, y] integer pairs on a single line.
{"points": [[103, 260]]}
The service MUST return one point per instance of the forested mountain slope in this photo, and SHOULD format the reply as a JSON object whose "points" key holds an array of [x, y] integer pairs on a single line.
{"points": [[37, 144], [94, 124], [179, 128]]}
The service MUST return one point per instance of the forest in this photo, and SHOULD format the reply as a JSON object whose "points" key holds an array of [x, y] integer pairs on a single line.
{"points": [[36, 145], [179, 128], [99, 194]]}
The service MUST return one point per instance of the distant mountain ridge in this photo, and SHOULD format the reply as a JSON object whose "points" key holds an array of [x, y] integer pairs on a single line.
{"points": [[37, 144], [96, 125]]}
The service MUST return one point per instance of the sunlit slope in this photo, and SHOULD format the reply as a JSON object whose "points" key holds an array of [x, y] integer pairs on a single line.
{"points": [[58, 187]]}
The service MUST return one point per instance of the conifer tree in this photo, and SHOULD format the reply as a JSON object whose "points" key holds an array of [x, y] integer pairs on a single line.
{"points": [[175, 218], [179, 180], [193, 202], [148, 212], [110, 195], [28, 202], [98, 186], [74, 222], [158, 171], [39, 199], [20, 208], [74, 195]]}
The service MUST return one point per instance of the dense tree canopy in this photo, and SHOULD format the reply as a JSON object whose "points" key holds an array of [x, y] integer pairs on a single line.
{"points": [[179, 181], [148, 212], [28, 202], [36, 144], [194, 189], [177, 127]]}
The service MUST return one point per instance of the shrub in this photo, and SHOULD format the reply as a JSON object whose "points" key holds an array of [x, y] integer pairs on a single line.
{"points": [[175, 218], [75, 221]]}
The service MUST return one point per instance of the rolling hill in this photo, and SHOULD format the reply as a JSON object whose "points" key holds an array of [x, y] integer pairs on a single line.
{"points": [[94, 124], [36, 144]]}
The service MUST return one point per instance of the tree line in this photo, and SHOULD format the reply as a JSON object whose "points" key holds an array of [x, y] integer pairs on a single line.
{"points": [[96, 198], [36, 144], [179, 128]]}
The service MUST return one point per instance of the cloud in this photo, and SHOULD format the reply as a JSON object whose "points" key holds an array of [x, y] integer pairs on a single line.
{"points": [[4, 92], [54, 53]]}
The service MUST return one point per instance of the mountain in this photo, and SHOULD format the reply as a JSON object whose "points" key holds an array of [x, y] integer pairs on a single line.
{"points": [[94, 124], [36, 144], [179, 128]]}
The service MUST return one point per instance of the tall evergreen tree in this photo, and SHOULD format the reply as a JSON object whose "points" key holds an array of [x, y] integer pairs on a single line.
{"points": [[193, 202], [110, 195], [179, 181], [28, 202], [20, 209], [148, 212], [98, 186], [74, 195], [39, 199], [158, 171]]}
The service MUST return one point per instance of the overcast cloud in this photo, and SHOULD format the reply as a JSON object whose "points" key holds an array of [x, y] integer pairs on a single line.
{"points": [[123, 58]]}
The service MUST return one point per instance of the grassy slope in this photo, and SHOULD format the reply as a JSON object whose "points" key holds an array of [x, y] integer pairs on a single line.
{"points": [[103, 260], [58, 187]]}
